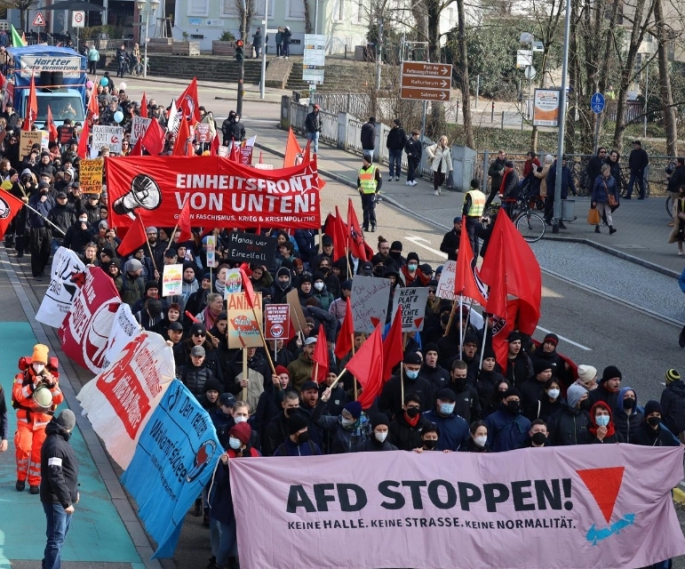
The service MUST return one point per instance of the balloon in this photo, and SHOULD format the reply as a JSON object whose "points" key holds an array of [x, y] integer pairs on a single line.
{"points": [[122, 86], [89, 85], [104, 81], [118, 116]]}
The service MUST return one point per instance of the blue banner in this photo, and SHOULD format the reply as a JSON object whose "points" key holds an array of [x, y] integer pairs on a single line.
{"points": [[175, 457]]}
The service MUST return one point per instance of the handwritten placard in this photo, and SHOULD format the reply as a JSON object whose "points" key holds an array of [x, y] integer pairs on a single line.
{"points": [[370, 297]]}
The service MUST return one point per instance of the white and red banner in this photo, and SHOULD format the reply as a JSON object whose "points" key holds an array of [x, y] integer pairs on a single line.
{"points": [[120, 400], [559, 508], [125, 327], [67, 276], [221, 193], [84, 333]]}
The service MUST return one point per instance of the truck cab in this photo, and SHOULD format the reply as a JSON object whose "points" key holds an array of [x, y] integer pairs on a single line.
{"points": [[64, 104]]}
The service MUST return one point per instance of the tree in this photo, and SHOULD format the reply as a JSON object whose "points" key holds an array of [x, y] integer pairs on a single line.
{"points": [[22, 5], [245, 16], [663, 36]]}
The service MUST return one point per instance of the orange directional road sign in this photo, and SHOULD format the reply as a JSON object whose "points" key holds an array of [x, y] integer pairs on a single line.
{"points": [[426, 81]]}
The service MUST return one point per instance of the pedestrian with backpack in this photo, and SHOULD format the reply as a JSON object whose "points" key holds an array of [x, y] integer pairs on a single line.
{"points": [[673, 404]]}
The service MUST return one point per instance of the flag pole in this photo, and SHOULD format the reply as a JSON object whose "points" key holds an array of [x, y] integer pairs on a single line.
{"points": [[449, 322], [44, 218], [149, 247], [171, 239], [461, 325], [468, 320], [266, 346], [337, 379], [315, 372], [245, 374], [356, 394], [402, 382], [485, 333]]}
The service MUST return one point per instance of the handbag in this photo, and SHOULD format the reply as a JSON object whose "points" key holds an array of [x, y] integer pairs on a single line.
{"points": [[611, 198], [593, 216]]}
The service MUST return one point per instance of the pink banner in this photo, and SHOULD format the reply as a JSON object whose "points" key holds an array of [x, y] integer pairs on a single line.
{"points": [[559, 508], [85, 330]]}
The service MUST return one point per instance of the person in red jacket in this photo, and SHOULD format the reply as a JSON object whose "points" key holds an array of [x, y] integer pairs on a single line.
{"points": [[35, 409]]}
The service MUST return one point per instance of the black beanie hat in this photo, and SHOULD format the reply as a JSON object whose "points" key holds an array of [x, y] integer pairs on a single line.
{"points": [[297, 422], [413, 257], [611, 372], [396, 246]]}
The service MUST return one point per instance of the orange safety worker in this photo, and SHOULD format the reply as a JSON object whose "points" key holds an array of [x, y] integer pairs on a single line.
{"points": [[35, 396]]}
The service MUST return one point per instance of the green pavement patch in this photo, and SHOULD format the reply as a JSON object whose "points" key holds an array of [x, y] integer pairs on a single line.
{"points": [[97, 533]]}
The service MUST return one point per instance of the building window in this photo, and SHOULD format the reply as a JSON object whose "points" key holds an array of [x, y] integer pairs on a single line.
{"points": [[259, 8], [295, 10], [341, 10], [198, 7], [360, 11], [229, 9]]}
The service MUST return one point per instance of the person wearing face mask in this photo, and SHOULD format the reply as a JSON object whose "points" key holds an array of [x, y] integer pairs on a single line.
{"points": [[222, 417], [431, 370], [429, 439], [282, 286], [602, 429], [608, 388], [222, 523], [78, 234], [467, 403], [628, 416], [390, 401], [40, 232], [379, 437], [412, 273], [320, 291], [33, 413], [651, 432], [454, 431], [396, 254], [276, 430], [569, 426], [507, 427], [538, 435], [533, 390], [298, 442], [343, 432], [552, 400], [478, 441], [406, 428]]}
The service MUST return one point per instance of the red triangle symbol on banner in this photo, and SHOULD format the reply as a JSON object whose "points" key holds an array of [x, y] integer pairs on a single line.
{"points": [[417, 322], [604, 484], [375, 321]]}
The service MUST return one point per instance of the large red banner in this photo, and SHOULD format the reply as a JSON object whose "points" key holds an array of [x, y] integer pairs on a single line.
{"points": [[222, 193]]}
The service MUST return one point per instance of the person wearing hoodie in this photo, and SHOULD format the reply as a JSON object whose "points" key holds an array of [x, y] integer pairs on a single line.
{"points": [[78, 234], [40, 233], [378, 439], [602, 429], [507, 427], [519, 365], [673, 403], [270, 401], [533, 390], [412, 273], [488, 380], [197, 301], [651, 432], [63, 216], [467, 403], [437, 375], [547, 351], [608, 388], [283, 285], [151, 314], [343, 432], [390, 401], [627, 415], [321, 293], [569, 425], [407, 427], [454, 431]]}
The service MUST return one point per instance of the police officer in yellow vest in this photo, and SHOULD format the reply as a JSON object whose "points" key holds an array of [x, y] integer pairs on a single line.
{"points": [[369, 183], [474, 207]]}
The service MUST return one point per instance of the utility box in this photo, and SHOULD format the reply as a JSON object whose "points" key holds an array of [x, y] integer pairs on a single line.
{"points": [[463, 167]]}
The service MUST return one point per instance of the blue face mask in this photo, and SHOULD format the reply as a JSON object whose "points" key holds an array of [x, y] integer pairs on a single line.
{"points": [[446, 408], [411, 374], [602, 420]]}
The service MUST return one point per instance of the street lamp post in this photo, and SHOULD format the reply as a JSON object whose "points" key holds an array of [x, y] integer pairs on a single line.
{"points": [[143, 10]]}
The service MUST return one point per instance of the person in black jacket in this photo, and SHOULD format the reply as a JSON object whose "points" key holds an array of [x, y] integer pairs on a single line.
{"points": [[368, 136], [467, 404], [450, 241], [232, 129], [395, 143], [312, 123], [638, 162], [378, 441], [390, 401], [406, 428], [432, 370], [519, 365], [567, 184], [608, 388], [594, 167], [414, 150], [196, 374], [650, 432], [569, 425], [276, 431], [59, 483], [673, 403], [496, 172]]}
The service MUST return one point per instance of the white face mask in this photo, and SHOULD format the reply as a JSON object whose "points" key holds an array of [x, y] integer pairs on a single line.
{"points": [[239, 419], [553, 393], [318, 286], [38, 368], [380, 437], [481, 440], [347, 422], [234, 443]]}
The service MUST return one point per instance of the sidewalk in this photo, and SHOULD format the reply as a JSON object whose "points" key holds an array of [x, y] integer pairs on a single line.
{"points": [[642, 235]]}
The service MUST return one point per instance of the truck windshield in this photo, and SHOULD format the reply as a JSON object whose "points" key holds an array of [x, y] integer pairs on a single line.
{"points": [[62, 107]]}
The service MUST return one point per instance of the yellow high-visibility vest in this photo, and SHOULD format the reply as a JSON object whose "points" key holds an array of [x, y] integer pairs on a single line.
{"points": [[477, 203], [367, 180]]}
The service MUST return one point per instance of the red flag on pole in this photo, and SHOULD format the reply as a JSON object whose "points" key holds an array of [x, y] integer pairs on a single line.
{"points": [[235, 152], [9, 207], [292, 151], [339, 237], [367, 366], [50, 124], [497, 306], [343, 345], [83, 141], [214, 147], [143, 106], [93, 107], [186, 233], [153, 139], [320, 356], [392, 345], [134, 239], [465, 283], [31, 106], [247, 287], [357, 247], [181, 144], [188, 103]]}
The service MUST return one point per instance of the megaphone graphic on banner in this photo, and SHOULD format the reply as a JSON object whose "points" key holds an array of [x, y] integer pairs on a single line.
{"points": [[144, 193]]}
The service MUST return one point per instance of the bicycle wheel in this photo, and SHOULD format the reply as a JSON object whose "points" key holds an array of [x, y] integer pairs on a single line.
{"points": [[669, 207], [530, 225]]}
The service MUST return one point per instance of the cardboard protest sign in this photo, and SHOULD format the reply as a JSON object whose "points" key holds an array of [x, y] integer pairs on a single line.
{"points": [[27, 138], [106, 136], [445, 288], [138, 128], [211, 251], [251, 248], [413, 301], [370, 297], [172, 280], [234, 282], [276, 321], [90, 175], [243, 327], [202, 132]]}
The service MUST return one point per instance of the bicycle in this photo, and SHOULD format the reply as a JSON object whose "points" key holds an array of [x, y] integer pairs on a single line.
{"points": [[138, 68], [528, 223]]}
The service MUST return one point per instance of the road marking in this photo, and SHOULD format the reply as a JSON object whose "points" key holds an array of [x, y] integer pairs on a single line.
{"points": [[576, 344], [417, 241]]}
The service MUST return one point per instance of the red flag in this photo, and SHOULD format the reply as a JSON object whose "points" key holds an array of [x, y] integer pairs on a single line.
{"points": [[355, 232], [497, 306], [143, 106], [235, 152], [9, 207], [339, 237], [247, 287], [292, 151], [343, 345], [83, 141], [182, 138], [521, 268], [465, 283], [50, 124], [31, 106], [184, 222], [188, 104], [320, 357], [3, 81], [93, 107], [153, 139], [134, 239], [137, 149], [367, 366], [214, 147], [392, 345]]}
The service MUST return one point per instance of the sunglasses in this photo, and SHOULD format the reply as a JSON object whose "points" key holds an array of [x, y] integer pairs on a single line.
{"points": [[199, 334]]}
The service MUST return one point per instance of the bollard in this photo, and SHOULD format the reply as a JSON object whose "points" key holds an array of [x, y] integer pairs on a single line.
{"points": [[492, 112], [502, 120]]}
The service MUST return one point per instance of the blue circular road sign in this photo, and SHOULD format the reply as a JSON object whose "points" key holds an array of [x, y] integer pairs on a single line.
{"points": [[597, 103]]}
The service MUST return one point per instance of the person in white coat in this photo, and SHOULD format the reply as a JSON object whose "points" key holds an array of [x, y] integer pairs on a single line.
{"points": [[440, 158]]}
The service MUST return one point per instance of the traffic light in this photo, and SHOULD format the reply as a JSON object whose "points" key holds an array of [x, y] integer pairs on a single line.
{"points": [[239, 51]]}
